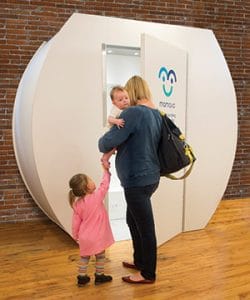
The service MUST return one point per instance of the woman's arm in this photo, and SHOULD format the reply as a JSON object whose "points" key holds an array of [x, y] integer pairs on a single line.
{"points": [[105, 158], [115, 136]]}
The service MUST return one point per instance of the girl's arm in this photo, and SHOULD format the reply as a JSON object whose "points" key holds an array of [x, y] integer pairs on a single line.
{"points": [[104, 185]]}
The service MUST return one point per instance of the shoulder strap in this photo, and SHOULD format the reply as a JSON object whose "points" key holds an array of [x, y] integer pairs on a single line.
{"points": [[170, 176]]}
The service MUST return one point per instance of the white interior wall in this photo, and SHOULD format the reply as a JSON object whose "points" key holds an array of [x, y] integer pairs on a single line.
{"points": [[118, 69]]}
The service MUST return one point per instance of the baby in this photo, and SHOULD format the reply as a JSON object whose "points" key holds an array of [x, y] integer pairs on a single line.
{"points": [[120, 101]]}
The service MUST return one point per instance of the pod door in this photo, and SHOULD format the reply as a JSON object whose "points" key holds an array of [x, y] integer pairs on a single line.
{"points": [[164, 67]]}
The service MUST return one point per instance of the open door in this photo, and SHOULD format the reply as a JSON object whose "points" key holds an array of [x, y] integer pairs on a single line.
{"points": [[164, 67]]}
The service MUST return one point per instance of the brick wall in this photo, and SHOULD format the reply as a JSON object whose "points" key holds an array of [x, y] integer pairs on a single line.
{"points": [[25, 24]]}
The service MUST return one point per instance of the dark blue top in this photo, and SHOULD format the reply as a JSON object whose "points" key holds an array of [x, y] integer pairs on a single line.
{"points": [[137, 161]]}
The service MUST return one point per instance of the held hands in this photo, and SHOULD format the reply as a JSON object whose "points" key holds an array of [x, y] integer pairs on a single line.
{"points": [[105, 164], [105, 159]]}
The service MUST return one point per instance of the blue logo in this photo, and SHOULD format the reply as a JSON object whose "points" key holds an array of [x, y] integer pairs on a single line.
{"points": [[168, 79]]}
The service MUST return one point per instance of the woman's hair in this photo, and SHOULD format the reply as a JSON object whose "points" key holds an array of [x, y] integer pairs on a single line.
{"points": [[79, 187], [137, 89], [117, 88]]}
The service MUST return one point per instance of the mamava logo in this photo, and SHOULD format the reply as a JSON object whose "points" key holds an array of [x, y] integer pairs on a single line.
{"points": [[168, 79]]}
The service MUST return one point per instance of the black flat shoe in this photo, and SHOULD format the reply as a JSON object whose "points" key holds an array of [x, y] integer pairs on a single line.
{"points": [[99, 279], [82, 280]]}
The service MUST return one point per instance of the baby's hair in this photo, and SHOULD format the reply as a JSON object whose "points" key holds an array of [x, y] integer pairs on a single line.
{"points": [[117, 88], [79, 187]]}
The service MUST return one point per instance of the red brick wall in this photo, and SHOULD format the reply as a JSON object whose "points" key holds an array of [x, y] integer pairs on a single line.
{"points": [[25, 24]]}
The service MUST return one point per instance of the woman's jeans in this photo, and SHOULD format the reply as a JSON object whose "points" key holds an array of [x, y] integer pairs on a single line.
{"points": [[140, 221]]}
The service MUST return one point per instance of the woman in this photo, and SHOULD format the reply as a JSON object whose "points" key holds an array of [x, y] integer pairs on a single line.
{"points": [[138, 169]]}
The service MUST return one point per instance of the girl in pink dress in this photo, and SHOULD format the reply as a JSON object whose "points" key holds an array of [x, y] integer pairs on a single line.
{"points": [[90, 224]]}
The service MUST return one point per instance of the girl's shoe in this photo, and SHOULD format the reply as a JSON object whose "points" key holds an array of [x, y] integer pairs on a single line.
{"points": [[82, 280], [99, 279]]}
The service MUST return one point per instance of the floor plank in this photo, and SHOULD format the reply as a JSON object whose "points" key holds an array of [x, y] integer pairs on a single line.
{"points": [[38, 261]]}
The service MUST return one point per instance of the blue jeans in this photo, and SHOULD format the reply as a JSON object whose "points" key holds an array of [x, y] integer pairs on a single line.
{"points": [[140, 221]]}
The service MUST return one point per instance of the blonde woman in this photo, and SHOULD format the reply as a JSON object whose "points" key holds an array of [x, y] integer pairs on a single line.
{"points": [[138, 169]]}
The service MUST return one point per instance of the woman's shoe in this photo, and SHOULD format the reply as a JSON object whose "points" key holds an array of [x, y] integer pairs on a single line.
{"points": [[143, 281], [99, 279], [129, 265], [82, 280]]}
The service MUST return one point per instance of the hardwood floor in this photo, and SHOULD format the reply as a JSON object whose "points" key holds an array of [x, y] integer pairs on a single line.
{"points": [[38, 261]]}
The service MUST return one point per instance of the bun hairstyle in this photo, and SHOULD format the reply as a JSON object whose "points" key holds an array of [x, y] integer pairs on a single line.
{"points": [[79, 187]]}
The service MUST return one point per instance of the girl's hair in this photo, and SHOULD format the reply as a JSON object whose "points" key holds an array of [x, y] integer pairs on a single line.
{"points": [[117, 88], [137, 89], [79, 187]]}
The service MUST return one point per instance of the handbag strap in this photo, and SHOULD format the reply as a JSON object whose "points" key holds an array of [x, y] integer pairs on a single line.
{"points": [[170, 176]]}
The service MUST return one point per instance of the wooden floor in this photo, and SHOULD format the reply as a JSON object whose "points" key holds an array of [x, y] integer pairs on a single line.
{"points": [[38, 261]]}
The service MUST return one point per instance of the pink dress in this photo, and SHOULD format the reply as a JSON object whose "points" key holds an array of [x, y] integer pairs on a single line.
{"points": [[90, 222]]}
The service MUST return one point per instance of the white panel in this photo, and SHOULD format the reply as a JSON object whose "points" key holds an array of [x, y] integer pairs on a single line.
{"points": [[168, 208], [164, 68], [211, 127], [67, 117], [22, 129]]}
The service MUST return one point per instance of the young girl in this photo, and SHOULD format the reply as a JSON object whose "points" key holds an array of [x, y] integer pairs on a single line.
{"points": [[90, 224]]}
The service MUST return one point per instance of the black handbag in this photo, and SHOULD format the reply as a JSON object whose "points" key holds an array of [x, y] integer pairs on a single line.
{"points": [[174, 153]]}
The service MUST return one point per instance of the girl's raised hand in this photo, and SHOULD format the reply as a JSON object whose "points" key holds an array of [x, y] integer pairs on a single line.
{"points": [[105, 164]]}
